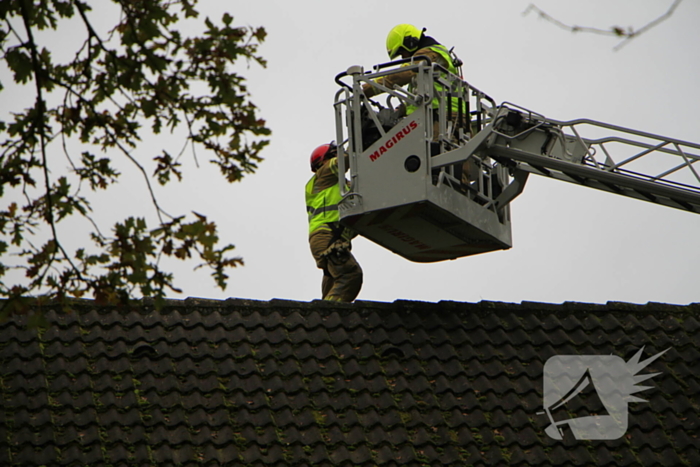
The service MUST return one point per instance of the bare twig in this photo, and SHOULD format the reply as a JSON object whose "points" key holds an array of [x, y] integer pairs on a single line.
{"points": [[616, 31], [154, 200], [93, 34], [121, 147]]}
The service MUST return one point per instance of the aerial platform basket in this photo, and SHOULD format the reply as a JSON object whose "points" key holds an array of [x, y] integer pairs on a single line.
{"points": [[437, 183], [395, 196]]}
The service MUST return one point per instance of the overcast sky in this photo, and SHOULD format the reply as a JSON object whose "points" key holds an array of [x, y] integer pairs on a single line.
{"points": [[570, 243]]}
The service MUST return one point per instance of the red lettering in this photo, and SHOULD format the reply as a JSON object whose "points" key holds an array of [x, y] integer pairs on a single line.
{"points": [[393, 140]]}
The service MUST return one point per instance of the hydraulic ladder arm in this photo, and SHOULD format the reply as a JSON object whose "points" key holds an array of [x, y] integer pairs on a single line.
{"points": [[623, 161]]}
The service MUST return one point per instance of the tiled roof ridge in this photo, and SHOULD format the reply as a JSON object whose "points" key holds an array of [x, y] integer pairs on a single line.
{"points": [[147, 305], [498, 317], [348, 317], [300, 332]]}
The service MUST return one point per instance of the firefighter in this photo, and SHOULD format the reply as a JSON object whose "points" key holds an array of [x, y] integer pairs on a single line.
{"points": [[330, 242], [405, 41]]}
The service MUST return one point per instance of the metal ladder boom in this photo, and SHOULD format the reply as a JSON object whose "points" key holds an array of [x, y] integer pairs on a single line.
{"points": [[647, 167]]}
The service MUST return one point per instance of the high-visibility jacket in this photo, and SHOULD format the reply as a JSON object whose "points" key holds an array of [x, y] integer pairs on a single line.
{"points": [[444, 53], [322, 207]]}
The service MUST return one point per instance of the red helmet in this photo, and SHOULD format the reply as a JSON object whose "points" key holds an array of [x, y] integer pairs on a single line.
{"points": [[319, 155]]}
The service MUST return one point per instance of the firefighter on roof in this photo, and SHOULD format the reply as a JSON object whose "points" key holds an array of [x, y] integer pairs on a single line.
{"points": [[330, 241]]}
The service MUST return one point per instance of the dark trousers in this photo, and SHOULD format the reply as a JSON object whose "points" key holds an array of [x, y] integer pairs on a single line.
{"points": [[342, 275]]}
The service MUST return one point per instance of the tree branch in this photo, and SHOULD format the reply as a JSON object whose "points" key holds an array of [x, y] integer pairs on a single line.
{"points": [[615, 31], [39, 124], [40, 77], [109, 88]]}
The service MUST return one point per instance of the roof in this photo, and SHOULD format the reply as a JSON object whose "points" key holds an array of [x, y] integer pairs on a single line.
{"points": [[239, 382]]}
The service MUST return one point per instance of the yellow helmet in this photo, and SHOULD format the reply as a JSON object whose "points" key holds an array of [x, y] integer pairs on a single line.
{"points": [[403, 35]]}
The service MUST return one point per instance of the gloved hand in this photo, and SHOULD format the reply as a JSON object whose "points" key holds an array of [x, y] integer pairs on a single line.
{"points": [[338, 252]]}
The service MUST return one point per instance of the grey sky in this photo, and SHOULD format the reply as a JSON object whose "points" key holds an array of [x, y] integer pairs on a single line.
{"points": [[570, 243]]}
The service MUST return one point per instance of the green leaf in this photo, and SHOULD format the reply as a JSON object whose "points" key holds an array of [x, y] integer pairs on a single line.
{"points": [[20, 63]]}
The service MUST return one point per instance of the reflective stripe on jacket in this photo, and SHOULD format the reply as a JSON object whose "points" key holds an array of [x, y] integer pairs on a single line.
{"points": [[322, 207], [445, 54]]}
